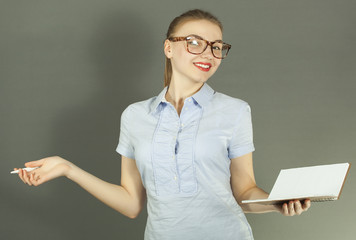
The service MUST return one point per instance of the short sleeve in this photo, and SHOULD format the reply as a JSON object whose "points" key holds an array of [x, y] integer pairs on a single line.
{"points": [[125, 147], [242, 138]]}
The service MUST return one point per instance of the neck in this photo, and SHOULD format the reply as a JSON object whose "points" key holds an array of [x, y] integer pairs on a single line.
{"points": [[178, 91]]}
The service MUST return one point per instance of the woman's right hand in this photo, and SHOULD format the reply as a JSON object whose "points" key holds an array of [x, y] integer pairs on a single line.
{"points": [[48, 169]]}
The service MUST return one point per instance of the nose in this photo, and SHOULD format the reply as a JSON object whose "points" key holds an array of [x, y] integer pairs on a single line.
{"points": [[208, 53]]}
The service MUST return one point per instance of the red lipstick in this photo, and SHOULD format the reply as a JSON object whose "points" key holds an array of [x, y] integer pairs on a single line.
{"points": [[205, 67]]}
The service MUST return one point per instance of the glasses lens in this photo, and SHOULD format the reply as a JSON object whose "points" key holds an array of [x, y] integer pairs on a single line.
{"points": [[195, 45], [220, 50]]}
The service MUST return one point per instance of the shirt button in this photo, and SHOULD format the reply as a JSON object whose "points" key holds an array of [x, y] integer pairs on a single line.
{"points": [[189, 100], [182, 124], [175, 178]]}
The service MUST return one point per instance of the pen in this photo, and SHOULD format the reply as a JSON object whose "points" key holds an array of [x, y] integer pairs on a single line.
{"points": [[26, 169]]}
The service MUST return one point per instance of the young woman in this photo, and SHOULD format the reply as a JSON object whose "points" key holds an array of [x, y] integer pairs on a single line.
{"points": [[188, 150]]}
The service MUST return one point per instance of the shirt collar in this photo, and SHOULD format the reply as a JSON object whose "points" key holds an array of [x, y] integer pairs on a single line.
{"points": [[159, 99], [202, 97]]}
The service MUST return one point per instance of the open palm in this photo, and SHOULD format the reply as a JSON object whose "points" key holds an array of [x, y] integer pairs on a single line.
{"points": [[48, 169]]}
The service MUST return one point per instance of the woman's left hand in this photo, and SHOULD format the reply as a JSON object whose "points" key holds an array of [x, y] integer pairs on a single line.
{"points": [[294, 207]]}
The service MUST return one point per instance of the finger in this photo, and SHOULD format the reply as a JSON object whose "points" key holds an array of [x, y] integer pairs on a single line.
{"points": [[21, 175], [31, 179], [306, 204], [35, 179], [26, 178], [36, 176], [37, 163], [36, 171], [285, 209], [298, 207], [40, 180], [291, 210]]}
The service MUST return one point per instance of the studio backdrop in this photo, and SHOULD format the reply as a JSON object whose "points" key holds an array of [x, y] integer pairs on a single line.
{"points": [[68, 69]]}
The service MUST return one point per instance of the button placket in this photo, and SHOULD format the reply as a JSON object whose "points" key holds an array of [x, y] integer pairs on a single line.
{"points": [[174, 166], [163, 156]]}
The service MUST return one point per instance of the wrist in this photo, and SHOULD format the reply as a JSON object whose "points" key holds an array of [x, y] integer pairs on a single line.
{"points": [[276, 208], [70, 170]]}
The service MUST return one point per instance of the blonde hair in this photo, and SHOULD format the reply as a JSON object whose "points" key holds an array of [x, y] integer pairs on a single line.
{"points": [[195, 14]]}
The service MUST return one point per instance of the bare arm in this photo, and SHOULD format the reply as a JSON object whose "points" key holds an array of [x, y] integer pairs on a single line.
{"points": [[244, 187], [127, 199]]}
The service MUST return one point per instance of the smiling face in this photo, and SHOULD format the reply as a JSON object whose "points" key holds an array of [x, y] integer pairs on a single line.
{"points": [[189, 67]]}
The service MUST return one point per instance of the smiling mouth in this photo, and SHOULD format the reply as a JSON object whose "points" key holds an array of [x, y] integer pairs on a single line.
{"points": [[205, 67]]}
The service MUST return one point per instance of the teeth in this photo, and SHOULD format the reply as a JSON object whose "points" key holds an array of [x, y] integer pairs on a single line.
{"points": [[203, 66]]}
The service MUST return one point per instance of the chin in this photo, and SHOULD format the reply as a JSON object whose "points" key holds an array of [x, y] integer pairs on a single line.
{"points": [[203, 79], [200, 80]]}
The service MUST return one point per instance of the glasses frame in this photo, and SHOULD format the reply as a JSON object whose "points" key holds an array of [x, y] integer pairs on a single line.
{"points": [[208, 43]]}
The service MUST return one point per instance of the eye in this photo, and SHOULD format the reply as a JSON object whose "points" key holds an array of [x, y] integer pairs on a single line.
{"points": [[216, 48]]}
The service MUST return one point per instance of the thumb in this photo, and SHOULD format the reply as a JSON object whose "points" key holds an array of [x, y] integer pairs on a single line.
{"points": [[37, 163]]}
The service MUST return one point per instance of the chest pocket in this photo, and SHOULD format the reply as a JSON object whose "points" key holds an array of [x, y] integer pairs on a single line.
{"points": [[173, 152]]}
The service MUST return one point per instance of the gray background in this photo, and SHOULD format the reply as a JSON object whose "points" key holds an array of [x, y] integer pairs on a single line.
{"points": [[69, 68]]}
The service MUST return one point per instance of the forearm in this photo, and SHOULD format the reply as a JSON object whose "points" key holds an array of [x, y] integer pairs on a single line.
{"points": [[255, 193], [244, 187], [115, 196]]}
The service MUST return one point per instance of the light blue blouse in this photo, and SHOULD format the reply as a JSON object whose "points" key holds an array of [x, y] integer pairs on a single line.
{"points": [[184, 162]]}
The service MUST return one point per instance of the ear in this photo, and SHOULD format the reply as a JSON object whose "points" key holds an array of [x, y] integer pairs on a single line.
{"points": [[168, 48]]}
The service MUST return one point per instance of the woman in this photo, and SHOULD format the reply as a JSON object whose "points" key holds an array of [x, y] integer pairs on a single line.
{"points": [[188, 150]]}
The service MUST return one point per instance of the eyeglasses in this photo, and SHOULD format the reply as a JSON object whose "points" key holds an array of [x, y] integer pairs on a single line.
{"points": [[197, 45]]}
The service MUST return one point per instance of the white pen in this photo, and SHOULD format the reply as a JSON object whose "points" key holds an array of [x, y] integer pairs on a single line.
{"points": [[28, 169]]}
